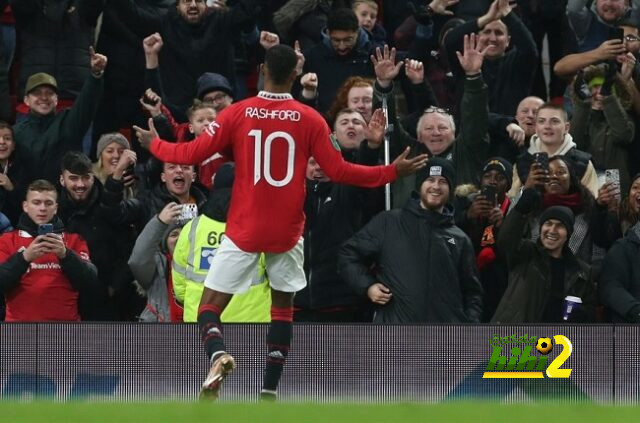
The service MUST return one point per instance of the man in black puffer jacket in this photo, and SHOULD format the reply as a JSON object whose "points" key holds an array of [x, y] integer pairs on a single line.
{"points": [[124, 78], [55, 36], [83, 211], [425, 265], [196, 39], [334, 213]]}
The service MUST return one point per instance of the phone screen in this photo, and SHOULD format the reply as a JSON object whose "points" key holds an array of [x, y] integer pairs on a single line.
{"points": [[45, 228], [490, 193], [616, 33], [542, 159]]}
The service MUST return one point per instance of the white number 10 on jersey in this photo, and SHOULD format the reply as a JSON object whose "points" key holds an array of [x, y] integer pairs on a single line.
{"points": [[263, 167]]}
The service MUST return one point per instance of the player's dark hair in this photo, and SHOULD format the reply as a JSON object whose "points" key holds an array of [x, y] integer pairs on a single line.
{"points": [[342, 19], [280, 60], [77, 163], [42, 185]]}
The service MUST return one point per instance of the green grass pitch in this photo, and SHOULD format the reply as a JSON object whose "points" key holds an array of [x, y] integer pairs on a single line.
{"points": [[183, 412]]}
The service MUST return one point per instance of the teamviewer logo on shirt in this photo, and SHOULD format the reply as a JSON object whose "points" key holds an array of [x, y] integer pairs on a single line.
{"points": [[206, 257]]}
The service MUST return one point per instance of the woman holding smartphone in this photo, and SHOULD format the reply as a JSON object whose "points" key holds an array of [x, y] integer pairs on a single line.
{"points": [[560, 186]]}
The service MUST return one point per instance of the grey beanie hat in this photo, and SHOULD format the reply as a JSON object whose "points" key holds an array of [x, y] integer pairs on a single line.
{"points": [[111, 137]]}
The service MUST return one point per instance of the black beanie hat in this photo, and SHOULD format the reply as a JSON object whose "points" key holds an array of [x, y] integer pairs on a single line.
{"points": [[501, 165], [561, 213], [210, 81], [441, 167], [225, 176]]}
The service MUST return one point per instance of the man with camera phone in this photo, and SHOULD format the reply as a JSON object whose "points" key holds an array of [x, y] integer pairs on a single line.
{"points": [[42, 267]]}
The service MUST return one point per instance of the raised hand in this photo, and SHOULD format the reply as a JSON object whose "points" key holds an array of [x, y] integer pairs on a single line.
{"points": [[53, 243], [492, 14], [609, 195], [385, 66], [414, 69], [480, 208], [219, 5], [146, 136], [268, 39], [5, 182], [516, 133], [98, 62], [504, 8], [406, 166], [440, 6], [472, 57], [152, 44], [170, 213], [496, 216], [580, 87], [309, 81], [35, 250], [538, 176], [151, 102], [127, 159], [610, 49], [628, 64], [374, 131]]}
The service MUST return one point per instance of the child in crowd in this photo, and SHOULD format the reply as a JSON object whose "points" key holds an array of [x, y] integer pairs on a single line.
{"points": [[367, 13]]}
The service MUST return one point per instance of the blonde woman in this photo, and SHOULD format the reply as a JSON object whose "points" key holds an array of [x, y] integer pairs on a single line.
{"points": [[114, 159]]}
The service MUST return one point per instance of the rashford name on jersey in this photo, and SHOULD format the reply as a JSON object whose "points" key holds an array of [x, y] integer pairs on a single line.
{"points": [[260, 113]]}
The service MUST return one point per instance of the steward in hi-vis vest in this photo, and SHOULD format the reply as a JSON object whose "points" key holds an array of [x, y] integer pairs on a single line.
{"points": [[192, 257]]}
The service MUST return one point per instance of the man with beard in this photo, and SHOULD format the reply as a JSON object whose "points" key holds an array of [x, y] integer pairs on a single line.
{"points": [[343, 52], [425, 265], [82, 210], [197, 39], [592, 25]]}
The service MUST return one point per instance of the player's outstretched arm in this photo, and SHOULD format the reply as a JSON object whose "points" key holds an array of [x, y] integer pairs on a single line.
{"points": [[194, 152], [406, 166]]}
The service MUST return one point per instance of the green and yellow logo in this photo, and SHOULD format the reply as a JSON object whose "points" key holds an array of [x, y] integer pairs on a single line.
{"points": [[520, 364]]}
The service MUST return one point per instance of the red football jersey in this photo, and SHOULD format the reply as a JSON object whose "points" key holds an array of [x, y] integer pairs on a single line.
{"points": [[44, 293], [270, 138]]}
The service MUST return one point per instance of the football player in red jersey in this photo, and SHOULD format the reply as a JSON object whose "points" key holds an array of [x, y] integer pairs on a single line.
{"points": [[270, 137]]}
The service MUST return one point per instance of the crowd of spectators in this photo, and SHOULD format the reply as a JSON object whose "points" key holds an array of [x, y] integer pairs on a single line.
{"points": [[527, 109]]}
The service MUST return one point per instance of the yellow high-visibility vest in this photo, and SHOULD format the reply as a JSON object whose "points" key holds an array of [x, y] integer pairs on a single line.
{"points": [[192, 257]]}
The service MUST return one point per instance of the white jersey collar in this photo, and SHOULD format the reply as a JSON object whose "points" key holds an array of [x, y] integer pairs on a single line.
{"points": [[275, 96]]}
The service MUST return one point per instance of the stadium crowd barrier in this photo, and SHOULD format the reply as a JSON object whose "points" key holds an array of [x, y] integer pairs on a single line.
{"points": [[327, 363]]}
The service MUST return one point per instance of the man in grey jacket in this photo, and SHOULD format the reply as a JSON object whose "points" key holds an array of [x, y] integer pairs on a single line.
{"points": [[425, 265]]}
